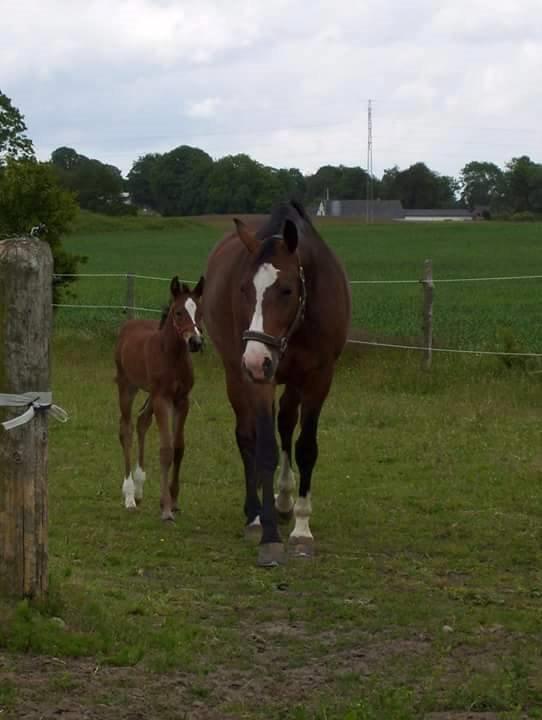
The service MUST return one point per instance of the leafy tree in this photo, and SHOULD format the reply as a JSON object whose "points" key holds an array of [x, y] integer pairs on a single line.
{"points": [[419, 187], [523, 181], [344, 183], [179, 182], [13, 141], [98, 186], [482, 183], [140, 180], [30, 195]]}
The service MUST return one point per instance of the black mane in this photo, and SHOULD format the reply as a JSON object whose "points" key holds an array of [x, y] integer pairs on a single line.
{"points": [[291, 210]]}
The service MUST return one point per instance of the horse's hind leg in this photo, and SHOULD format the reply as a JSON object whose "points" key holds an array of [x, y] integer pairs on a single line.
{"points": [[143, 423], [287, 420], [179, 419], [127, 394]]}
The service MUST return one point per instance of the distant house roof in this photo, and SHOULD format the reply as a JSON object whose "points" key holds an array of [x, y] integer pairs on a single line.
{"points": [[377, 209], [440, 212]]}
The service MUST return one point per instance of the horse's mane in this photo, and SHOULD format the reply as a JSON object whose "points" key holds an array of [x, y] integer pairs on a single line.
{"points": [[291, 210]]}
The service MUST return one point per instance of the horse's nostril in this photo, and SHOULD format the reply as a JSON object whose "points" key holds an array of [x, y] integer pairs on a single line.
{"points": [[267, 366]]}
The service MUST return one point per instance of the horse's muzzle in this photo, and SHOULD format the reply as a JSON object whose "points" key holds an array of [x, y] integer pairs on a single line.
{"points": [[262, 372], [195, 343]]}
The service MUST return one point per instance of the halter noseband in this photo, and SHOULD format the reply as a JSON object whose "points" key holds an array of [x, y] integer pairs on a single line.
{"points": [[281, 343]]}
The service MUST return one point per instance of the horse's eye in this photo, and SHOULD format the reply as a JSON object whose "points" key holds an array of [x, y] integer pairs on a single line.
{"points": [[244, 290], [285, 291]]}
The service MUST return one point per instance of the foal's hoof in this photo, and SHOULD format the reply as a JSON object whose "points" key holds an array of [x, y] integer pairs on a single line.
{"points": [[301, 547], [271, 555], [167, 516]]}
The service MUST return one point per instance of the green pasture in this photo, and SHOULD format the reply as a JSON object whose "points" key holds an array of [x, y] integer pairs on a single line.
{"points": [[424, 599], [469, 315]]}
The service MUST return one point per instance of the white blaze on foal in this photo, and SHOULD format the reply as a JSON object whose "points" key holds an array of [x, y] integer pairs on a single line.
{"points": [[255, 351], [190, 306]]}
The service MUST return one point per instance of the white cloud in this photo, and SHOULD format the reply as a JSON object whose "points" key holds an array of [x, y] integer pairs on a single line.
{"points": [[288, 83]]}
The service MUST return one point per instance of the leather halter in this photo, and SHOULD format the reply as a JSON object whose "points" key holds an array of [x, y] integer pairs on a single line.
{"points": [[281, 343]]}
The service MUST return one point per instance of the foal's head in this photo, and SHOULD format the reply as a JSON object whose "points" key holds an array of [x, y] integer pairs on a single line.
{"points": [[185, 312], [272, 298]]}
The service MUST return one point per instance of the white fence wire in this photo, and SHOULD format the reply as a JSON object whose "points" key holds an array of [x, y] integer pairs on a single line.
{"points": [[351, 341]]}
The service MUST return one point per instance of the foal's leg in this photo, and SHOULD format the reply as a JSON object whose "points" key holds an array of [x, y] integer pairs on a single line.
{"points": [[143, 423], [127, 394], [179, 418], [306, 453], [287, 420], [162, 412]]}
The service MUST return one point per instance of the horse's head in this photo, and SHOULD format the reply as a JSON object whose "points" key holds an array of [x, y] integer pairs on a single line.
{"points": [[272, 298], [185, 312]]}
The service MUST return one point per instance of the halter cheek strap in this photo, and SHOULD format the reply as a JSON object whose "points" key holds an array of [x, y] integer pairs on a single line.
{"points": [[281, 343]]}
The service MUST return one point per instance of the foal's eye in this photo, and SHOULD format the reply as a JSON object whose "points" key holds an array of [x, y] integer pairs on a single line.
{"points": [[285, 291]]}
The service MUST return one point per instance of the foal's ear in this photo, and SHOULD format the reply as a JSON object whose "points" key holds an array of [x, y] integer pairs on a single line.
{"points": [[246, 236], [290, 235], [198, 290], [175, 287]]}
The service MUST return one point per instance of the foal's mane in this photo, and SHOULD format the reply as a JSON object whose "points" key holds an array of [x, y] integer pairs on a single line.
{"points": [[163, 316]]}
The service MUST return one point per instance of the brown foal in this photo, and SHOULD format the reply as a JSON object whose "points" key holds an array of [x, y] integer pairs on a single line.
{"points": [[154, 357]]}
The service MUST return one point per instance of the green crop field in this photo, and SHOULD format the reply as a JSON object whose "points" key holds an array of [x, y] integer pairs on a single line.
{"points": [[471, 315], [424, 598]]}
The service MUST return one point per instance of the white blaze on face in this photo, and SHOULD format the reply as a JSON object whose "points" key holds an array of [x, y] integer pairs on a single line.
{"points": [[191, 307], [256, 352]]}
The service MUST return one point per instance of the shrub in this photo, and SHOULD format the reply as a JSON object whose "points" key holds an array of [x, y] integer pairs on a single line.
{"points": [[30, 195]]}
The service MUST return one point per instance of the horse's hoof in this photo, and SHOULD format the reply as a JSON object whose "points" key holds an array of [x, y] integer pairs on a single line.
{"points": [[283, 518], [138, 501], [130, 505], [167, 516], [301, 547], [175, 509], [271, 555], [253, 532]]}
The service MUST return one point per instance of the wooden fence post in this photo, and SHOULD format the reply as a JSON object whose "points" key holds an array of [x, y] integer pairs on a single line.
{"points": [[130, 295], [26, 267], [427, 324]]}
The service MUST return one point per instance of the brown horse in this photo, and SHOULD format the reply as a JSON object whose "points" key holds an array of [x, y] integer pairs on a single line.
{"points": [[154, 356], [277, 307]]}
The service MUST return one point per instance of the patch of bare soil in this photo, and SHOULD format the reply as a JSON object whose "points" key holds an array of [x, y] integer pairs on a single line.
{"points": [[78, 689]]}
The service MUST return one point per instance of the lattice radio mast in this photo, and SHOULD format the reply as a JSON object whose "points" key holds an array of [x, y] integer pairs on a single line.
{"points": [[370, 189]]}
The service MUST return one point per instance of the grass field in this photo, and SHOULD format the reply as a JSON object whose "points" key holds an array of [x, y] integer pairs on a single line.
{"points": [[425, 597]]}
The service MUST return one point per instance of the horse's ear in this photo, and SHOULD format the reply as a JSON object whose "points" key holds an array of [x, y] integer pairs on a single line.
{"points": [[198, 290], [246, 236], [290, 235], [175, 287]]}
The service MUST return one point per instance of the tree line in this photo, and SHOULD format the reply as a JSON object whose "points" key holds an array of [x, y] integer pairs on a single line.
{"points": [[187, 181]]}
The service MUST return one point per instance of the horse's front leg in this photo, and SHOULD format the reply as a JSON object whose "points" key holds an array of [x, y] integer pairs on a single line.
{"points": [[162, 412], [271, 550], [179, 418], [306, 453]]}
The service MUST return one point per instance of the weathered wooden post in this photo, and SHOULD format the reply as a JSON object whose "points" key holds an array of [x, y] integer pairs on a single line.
{"points": [[427, 325], [130, 295], [26, 267]]}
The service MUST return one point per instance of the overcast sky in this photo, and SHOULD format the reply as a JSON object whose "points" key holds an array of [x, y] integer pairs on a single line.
{"points": [[285, 81]]}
